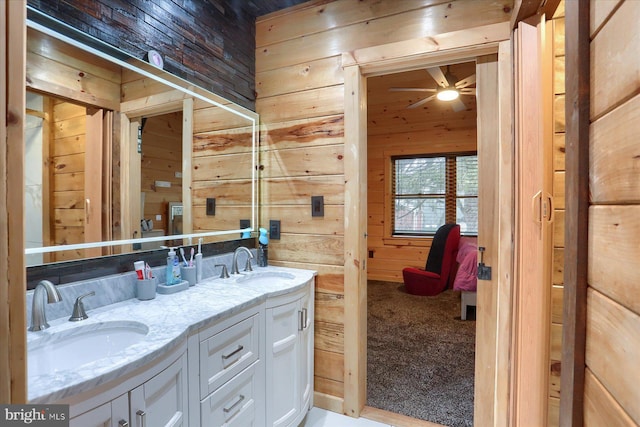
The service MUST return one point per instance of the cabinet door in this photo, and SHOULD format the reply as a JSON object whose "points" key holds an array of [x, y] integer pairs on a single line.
{"points": [[306, 351], [111, 414], [162, 401], [283, 363]]}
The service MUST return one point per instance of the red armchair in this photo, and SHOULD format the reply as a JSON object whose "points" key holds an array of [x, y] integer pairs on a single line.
{"points": [[440, 264]]}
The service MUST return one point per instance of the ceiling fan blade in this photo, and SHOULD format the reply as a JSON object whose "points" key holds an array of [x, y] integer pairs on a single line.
{"points": [[457, 105], [468, 91], [438, 76], [422, 101], [411, 89], [466, 82]]}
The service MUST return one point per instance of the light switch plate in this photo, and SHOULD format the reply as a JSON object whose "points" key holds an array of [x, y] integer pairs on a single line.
{"points": [[317, 205], [211, 206], [274, 229]]}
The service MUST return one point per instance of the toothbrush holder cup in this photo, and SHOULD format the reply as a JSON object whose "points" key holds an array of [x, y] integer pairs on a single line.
{"points": [[146, 288], [188, 274]]}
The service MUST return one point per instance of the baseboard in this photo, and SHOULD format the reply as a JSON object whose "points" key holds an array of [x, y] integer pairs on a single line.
{"points": [[394, 419], [328, 402]]}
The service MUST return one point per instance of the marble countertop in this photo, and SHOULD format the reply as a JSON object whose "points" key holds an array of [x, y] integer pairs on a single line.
{"points": [[170, 319]]}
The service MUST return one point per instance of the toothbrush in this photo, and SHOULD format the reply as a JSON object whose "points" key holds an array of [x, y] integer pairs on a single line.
{"points": [[191, 260], [200, 245], [183, 258]]}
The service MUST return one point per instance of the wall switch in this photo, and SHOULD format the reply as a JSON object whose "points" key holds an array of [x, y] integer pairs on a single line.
{"points": [[317, 205], [245, 223], [211, 206], [274, 229], [158, 217]]}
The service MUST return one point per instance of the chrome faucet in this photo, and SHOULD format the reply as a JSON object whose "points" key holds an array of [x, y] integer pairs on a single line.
{"points": [[234, 263], [38, 317]]}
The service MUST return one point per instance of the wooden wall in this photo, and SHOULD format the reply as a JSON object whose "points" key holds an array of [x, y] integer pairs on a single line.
{"points": [[208, 43], [67, 177], [557, 280], [613, 301], [161, 159], [300, 88], [395, 130], [221, 169]]}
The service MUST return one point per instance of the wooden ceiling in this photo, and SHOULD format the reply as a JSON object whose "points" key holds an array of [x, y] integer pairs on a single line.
{"points": [[388, 112]]}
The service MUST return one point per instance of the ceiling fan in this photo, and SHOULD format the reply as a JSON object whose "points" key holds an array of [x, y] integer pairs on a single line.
{"points": [[449, 90]]}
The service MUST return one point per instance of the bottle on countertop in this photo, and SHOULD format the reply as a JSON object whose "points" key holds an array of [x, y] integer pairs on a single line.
{"points": [[263, 248], [173, 268]]}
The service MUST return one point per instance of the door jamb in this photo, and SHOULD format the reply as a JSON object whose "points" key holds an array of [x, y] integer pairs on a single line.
{"points": [[355, 72]]}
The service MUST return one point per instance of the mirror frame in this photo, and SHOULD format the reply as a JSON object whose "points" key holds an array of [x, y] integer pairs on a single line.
{"points": [[39, 21]]}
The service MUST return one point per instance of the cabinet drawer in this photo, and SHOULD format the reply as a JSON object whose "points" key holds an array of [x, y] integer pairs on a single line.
{"points": [[227, 353], [235, 403]]}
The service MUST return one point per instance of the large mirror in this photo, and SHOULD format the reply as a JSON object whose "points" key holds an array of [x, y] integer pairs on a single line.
{"points": [[122, 156]]}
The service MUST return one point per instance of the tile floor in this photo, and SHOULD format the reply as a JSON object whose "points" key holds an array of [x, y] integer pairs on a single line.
{"points": [[322, 418]]}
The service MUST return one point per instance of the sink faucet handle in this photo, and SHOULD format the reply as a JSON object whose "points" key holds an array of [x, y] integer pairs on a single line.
{"points": [[224, 274], [78, 308]]}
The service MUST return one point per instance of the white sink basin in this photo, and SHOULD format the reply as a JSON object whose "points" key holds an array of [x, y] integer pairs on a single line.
{"points": [[264, 277], [72, 348]]}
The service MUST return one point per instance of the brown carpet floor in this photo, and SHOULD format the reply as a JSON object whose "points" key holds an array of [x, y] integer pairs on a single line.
{"points": [[420, 360]]}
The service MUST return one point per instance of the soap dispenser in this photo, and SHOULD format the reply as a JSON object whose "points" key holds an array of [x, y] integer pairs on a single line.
{"points": [[263, 248], [173, 268]]}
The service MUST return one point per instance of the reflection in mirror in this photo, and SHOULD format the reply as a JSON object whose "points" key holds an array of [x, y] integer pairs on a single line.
{"points": [[121, 156]]}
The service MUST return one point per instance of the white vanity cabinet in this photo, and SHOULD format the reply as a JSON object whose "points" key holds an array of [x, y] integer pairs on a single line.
{"points": [[110, 414], [289, 357], [231, 371], [163, 400]]}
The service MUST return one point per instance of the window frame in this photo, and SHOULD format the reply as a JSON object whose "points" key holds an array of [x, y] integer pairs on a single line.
{"points": [[419, 239]]}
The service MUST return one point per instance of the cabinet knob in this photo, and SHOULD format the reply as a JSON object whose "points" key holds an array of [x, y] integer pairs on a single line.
{"points": [[123, 423]]}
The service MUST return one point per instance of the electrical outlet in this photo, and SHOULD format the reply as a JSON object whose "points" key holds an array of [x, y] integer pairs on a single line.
{"points": [[274, 229], [317, 205], [211, 206]]}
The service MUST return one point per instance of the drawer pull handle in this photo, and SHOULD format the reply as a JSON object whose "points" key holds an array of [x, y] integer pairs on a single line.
{"points": [[306, 320], [236, 403], [143, 417], [123, 423], [237, 350], [300, 320]]}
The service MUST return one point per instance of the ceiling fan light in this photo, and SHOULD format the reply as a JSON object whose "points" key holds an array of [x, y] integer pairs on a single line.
{"points": [[448, 94]]}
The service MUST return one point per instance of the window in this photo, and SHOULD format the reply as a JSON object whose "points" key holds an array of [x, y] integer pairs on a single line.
{"points": [[431, 191]]}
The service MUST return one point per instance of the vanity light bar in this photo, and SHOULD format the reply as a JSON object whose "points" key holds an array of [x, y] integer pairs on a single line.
{"points": [[131, 241]]}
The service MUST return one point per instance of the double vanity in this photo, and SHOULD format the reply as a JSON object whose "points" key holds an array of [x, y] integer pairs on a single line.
{"points": [[226, 352]]}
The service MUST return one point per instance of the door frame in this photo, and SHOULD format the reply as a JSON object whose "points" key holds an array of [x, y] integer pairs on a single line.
{"points": [[492, 385]]}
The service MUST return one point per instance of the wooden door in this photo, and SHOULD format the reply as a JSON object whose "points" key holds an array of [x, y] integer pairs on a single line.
{"points": [[93, 178], [495, 231], [531, 311]]}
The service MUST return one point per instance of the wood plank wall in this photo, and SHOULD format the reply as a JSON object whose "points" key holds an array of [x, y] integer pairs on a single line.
{"points": [[208, 43], [67, 177], [300, 100], [221, 169], [395, 130], [613, 302], [161, 159], [557, 28]]}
